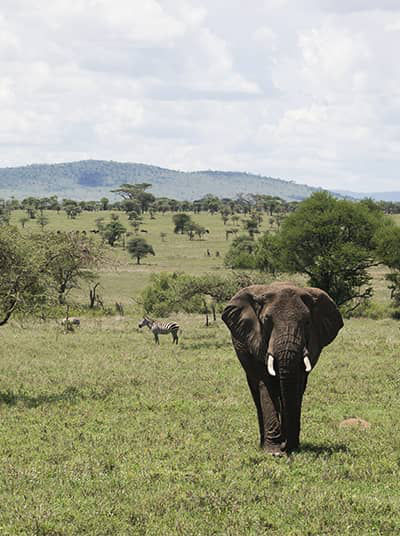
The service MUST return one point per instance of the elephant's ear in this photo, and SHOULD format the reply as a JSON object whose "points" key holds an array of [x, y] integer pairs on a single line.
{"points": [[241, 318], [326, 318]]}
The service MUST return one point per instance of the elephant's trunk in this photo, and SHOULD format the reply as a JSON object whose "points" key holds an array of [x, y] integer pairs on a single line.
{"points": [[291, 379]]}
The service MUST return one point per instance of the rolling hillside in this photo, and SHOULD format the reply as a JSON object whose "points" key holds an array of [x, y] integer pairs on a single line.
{"points": [[93, 179], [378, 196]]}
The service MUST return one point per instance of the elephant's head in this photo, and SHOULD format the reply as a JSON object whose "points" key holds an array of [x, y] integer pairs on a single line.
{"points": [[283, 328]]}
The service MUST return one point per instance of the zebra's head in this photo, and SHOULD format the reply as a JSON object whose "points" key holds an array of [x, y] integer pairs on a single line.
{"points": [[144, 322]]}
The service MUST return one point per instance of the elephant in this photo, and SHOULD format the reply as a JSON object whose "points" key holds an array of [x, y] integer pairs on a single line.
{"points": [[278, 332]]}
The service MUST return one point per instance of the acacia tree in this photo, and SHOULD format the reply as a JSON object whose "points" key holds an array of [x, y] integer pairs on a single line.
{"points": [[113, 230], [24, 277], [72, 258], [181, 222], [23, 220], [139, 248], [251, 226], [135, 194], [42, 220]]}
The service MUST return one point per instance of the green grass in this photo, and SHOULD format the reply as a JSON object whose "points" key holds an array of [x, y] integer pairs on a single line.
{"points": [[124, 278], [103, 433]]}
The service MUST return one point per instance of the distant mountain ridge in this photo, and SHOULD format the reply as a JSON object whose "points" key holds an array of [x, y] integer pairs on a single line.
{"points": [[378, 196], [93, 179]]}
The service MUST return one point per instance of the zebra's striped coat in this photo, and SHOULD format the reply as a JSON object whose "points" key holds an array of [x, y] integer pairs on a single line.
{"points": [[160, 328]]}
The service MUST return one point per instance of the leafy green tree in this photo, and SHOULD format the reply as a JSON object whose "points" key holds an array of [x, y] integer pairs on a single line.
{"points": [[136, 221], [211, 203], [112, 231], [104, 202], [251, 226], [388, 247], [267, 254], [139, 248], [71, 260], [331, 241], [225, 213], [42, 220], [23, 220], [71, 207], [132, 207], [4, 213], [136, 193], [31, 211], [24, 275], [241, 254], [181, 221]]}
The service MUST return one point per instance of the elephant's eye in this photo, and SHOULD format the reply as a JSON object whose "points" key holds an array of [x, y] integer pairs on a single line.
{"points": [[267, 320]]}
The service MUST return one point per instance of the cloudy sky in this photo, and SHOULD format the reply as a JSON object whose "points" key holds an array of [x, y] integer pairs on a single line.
{"points": [[299, 89]]}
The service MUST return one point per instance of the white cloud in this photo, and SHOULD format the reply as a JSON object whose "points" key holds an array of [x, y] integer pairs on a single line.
{"points": [[305, 90], [333, 56]]}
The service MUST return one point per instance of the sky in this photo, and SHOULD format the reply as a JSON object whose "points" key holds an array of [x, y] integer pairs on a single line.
{"points": [[304, 90]]}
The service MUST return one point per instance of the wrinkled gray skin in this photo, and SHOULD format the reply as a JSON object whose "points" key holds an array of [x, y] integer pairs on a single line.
{"points": [[292, 325]]}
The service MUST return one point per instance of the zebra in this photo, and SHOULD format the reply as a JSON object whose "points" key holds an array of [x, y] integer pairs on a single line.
{"points": [[160, 328], [72, 320]]}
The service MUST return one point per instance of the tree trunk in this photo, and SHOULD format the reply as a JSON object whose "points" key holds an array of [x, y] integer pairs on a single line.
{"points": [[92, 296], [8, 314]]}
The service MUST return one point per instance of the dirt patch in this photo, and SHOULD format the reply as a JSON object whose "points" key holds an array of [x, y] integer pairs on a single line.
{"points": [[354, 422]]}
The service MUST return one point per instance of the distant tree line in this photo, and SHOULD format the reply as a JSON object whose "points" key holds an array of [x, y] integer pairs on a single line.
{"points": [[333, 242], [136, 199]]}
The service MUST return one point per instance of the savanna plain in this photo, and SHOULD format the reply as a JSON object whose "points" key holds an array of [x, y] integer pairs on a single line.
{"points": [[104, 433]]}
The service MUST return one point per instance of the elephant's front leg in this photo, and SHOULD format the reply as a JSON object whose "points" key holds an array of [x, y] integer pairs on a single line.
{"points": [[266, 399]]}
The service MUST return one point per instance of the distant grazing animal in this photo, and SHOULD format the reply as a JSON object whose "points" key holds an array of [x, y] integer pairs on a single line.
{"points": [[143, 231], [72, 320], [160, 328]]}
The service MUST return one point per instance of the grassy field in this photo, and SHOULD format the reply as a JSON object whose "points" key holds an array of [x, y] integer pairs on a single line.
{"points": [[124, 278], [102, 433]]}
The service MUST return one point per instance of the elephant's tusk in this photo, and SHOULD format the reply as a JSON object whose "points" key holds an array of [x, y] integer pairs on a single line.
{"points": [[270, 365], [307, 363]]}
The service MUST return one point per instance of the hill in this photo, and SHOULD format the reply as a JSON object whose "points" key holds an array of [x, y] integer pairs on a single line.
{"points": [[93, 179], [378, 196]]}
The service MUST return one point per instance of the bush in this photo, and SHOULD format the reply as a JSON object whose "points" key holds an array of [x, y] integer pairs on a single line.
{"points": [[370, 309], [165, 295], [170, 293]]}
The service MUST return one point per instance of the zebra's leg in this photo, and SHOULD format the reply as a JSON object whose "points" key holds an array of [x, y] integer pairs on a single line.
{"points": [[174, 337], [156, 339]]}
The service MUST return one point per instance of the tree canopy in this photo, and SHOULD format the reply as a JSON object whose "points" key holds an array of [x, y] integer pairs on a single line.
{"points": [[333, 242], [139, 248]]}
